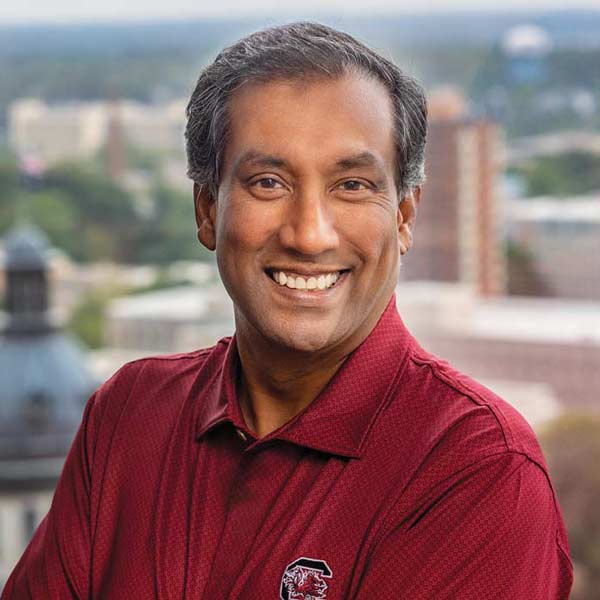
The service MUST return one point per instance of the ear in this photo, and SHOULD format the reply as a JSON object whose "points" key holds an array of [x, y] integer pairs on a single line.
{"points": [[204, 205], [407, 215]]}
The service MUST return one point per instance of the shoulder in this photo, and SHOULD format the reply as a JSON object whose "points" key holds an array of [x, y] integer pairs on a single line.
{"points": [[471, 447], [167, 367], [165, 380], [439, 423], [459, 406]]}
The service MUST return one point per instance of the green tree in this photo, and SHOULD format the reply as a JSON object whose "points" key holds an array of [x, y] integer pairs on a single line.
{"points": [[168, 234], [567, 174], [87, 321], [91, 217], [523, 278]]}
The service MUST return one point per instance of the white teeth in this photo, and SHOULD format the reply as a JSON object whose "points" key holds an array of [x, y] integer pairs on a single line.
{"points": [[322, 282]]}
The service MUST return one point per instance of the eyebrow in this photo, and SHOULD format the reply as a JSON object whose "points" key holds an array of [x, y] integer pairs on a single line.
{"points": [[347, 163], [362, 159], [262, 160]]}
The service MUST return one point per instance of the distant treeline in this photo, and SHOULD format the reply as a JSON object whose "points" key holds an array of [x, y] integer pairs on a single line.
{"points": [[565, 175], [92, 218], [162, 60]]}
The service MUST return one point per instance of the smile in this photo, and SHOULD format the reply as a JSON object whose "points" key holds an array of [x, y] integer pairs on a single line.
{"points": [[313, 283]]}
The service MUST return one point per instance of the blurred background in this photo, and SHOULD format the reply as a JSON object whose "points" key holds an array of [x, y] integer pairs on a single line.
{"points": [[100, 263]]}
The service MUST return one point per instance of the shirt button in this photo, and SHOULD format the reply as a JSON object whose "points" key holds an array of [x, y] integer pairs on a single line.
{"points": [[241, 435]]}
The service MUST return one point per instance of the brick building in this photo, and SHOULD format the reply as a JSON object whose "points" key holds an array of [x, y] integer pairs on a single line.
{"points": [[458, 237]]}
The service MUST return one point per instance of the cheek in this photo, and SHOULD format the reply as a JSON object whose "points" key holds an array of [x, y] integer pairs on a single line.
{"points": [[239, 238], [373, 234], [244, 228]]}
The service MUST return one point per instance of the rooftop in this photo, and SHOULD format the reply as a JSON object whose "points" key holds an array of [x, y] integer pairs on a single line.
{"points": [[431, 306], [26, 247], [538, 320], [176, 304], [580, 209]]}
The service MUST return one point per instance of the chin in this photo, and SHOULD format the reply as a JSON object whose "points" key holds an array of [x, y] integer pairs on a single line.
{"points": [[308, 339], [307, 345]]}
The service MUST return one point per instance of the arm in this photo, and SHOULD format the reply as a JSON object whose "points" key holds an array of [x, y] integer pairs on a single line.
{"points": [[494, 531], [56, 563]]}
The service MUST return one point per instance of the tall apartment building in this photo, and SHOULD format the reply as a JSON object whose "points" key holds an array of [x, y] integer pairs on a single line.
{"points": [[458, 236]]}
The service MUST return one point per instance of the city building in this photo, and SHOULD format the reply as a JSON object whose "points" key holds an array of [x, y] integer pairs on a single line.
{"points": [[61, 132], [556, 247], [458, 235], [541, 354], [526, 148], [44, 384], [78, 130], [177, 319]]}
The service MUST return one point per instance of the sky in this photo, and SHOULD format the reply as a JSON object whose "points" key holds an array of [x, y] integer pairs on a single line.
{"points": [[69, 11]]}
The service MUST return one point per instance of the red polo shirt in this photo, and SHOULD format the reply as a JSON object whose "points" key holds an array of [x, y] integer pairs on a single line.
{"points": [[403, 479]]}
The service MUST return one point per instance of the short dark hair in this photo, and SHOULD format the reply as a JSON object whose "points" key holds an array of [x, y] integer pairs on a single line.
{"points": [[288, 52]]}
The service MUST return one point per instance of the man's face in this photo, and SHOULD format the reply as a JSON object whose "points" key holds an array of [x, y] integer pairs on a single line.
{"points": [[307, 222]]}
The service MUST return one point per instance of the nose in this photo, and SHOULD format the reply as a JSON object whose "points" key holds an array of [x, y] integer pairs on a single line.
{"points": [[309, 226]]}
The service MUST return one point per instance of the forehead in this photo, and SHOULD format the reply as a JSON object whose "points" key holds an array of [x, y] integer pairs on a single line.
{"points": [[311, 119]]}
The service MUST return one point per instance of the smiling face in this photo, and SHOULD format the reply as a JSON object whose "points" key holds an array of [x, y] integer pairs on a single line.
{"points": [[307, 223]]}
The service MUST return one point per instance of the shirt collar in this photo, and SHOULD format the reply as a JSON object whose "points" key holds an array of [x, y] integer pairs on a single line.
{"points": [[339, 419]]}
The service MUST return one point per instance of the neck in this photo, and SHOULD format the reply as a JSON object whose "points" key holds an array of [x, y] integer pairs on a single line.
{"points": [[278, 382], [271, 395]]}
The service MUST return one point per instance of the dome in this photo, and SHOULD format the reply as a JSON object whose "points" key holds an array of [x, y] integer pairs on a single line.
{"points": [[44, 383], [26, 247]]}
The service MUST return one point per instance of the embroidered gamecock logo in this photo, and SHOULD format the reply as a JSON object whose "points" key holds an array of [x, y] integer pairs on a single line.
{"points": [[304, 580]]}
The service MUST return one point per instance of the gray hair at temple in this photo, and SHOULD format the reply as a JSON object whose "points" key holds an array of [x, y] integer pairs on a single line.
{"points": [[291, 52]]}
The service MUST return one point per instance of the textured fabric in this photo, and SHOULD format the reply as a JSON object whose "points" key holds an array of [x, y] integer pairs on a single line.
{"points": [[403, 479]]}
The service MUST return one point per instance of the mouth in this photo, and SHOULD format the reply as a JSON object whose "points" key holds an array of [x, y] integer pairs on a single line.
{"points": [[312, 282]]}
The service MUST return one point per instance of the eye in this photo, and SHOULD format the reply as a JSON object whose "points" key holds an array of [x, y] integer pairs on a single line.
{"points": [[267, 183], [354, 185]]}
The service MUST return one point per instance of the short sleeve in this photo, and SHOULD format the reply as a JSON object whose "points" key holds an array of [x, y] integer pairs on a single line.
{"points": [[55, 564], [492, 532]]}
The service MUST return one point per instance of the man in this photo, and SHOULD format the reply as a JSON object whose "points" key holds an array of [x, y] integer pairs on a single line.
{"points": [[320, 452]]}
